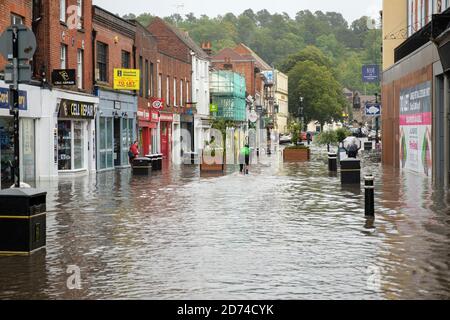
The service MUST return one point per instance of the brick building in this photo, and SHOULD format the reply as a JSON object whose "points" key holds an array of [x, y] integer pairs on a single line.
{"points": [[174, 71], [113, 42], [63, 30], [146, 57]]}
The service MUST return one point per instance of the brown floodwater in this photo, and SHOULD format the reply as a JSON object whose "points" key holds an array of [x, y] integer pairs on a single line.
{"points": [[286, 231]]}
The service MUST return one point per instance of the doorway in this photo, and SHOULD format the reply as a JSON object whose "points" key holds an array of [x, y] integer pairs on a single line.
{"points": [[6, 152]]}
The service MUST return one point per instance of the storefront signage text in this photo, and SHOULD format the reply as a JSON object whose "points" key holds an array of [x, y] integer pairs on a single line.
{"points": [[166, 117], [65, 77], [76, 109], [126, 79], [4, 100]]}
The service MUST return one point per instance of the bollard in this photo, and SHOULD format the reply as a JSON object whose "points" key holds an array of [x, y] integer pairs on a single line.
{"points": [[351, 171], [370, 196], [332, 162]]}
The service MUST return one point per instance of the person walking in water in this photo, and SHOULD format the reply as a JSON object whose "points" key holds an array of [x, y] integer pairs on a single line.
{"points": [[244, 159], [133, 153]]}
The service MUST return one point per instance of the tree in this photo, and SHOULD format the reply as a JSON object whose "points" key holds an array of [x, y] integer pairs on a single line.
{"points": [[322, 93], [310, 53]]}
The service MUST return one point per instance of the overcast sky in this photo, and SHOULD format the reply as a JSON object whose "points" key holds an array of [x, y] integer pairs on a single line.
{"points": [[351, 9]]}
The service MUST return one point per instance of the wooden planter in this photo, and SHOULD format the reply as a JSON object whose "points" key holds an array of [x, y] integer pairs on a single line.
{"points": [[211, 168], [296, 155]]}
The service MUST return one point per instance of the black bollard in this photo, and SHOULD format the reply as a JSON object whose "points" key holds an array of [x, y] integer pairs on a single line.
{"points": [[370, 196], [332, 162]]}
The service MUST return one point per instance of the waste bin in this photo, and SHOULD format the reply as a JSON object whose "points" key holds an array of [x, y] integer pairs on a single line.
{"points": [[156, 161], [351, 171], [142, 167], [23, 221], [368, 146]]}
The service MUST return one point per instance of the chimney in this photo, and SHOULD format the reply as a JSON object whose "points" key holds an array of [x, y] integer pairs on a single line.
{"points": [[206, 46]]}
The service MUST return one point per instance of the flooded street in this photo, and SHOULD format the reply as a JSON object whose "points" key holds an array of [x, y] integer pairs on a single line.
{"points": [[287, 231]]}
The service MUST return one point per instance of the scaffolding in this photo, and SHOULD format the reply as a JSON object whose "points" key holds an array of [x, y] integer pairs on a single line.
{"points": [[227, 90]]}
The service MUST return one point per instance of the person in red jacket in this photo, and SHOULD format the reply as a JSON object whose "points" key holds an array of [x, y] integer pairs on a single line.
{"points": [[134, 151]]}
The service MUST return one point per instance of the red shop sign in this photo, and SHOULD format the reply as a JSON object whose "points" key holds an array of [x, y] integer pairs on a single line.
{"points": [[157, 104], [166, 117]]}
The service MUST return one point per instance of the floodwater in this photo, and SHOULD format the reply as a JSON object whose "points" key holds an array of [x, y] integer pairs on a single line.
{"points": [[286, 231]]}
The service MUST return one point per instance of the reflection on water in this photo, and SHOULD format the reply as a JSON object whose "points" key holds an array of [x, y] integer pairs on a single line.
{"points": [[287, 231]]}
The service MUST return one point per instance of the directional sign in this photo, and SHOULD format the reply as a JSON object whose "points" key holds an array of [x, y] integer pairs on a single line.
{"points": [[27, 43], [373, 110], [371, 73]]}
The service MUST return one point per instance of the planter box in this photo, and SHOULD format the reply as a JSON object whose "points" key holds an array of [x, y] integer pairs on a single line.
{"points": [[211, 168], [296, 155]]}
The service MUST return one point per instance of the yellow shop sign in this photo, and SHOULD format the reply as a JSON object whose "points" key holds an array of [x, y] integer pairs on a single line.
{"points": [[126, 79]]}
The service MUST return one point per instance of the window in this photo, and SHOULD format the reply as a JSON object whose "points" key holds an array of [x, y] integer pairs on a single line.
{"points": [[141, 77], [79, 14], [147, 88], [160, 86], [181, 93], [63, 57], [80, 68], [15, 19], [125, 59], [62, 10], [168, 90], [152, 81], [187, 92], [102, 61], [174, 92]]}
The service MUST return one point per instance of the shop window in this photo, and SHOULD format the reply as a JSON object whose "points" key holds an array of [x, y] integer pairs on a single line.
{"points": [[6, 151], [71, 137], [127, 138], [106, 144]]}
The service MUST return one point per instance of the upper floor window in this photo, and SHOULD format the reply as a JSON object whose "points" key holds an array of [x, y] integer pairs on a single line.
{"points": [[125, 59], [102, 61], [15, 19], [79, 14], [181, 93], [80, 68], [63, 57], [62, 10]]}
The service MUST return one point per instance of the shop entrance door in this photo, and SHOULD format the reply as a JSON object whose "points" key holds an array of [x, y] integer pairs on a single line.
{"points": [[117, 142], [165, 139]]}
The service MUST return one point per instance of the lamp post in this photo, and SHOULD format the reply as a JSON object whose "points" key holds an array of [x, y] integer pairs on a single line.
{"points": [[301, 117]]}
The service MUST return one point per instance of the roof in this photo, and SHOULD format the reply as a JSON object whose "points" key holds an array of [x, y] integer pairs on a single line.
{"points": [[262, 64], [185, 38], [230, 53]]}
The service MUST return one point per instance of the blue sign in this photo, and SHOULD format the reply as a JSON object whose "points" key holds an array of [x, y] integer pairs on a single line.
{"points": [[371, 73], [373, 110], [4, 99]]}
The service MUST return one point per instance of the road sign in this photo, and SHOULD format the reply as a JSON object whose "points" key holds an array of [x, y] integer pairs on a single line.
{"points": [[253, 116], [371, 73], [24, 73], [373, 110], [27, 43]]}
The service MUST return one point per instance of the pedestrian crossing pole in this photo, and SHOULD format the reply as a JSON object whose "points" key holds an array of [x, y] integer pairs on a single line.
{"points": [[14, 105]]}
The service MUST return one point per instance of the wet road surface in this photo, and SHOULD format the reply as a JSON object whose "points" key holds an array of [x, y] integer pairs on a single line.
{"points": [[286, 231]]}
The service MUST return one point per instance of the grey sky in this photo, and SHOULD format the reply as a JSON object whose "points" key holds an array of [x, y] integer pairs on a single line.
{"points": [[351, 9]]}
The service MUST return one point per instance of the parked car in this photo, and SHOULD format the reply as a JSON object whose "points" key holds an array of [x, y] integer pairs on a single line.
{"points": [[285, 139]]}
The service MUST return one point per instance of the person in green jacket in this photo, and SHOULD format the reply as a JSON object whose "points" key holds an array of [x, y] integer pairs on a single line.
{"points": [[244, 158]]}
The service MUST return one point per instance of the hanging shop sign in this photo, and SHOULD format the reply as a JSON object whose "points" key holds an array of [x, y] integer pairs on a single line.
{"points": [[76, 110], [371, 73], [126, 79], [4, 99], [214, 108], [415, 129], [157, 104], [64, 77]]}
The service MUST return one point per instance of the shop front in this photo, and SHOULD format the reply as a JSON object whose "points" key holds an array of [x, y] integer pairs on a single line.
{"points": [[29, 105], [148, 126], [187, 133], [166, 121], [201, 126], [116, 123], [74, 127]]}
